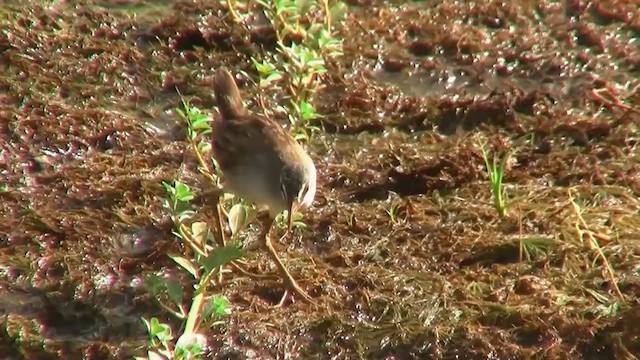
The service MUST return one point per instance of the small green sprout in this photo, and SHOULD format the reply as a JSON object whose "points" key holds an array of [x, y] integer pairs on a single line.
{"points": [[495, 169], [392, 211]]}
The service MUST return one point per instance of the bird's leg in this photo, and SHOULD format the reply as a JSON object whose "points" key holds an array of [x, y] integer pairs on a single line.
{"points": [[286, 276]]}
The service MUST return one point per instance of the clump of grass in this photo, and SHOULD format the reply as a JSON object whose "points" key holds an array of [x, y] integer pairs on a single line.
{"points": [[394, 210], [495, 167], [587, 237], [535, 247]]}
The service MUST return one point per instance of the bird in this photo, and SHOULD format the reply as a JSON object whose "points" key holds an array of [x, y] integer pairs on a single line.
{"points": [[261, 163]]}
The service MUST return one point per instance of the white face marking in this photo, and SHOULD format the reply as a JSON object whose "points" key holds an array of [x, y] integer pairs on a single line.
{"points": [[308, 191]]}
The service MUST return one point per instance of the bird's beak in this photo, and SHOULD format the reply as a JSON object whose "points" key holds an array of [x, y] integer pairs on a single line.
{"points": [[292, 209]]}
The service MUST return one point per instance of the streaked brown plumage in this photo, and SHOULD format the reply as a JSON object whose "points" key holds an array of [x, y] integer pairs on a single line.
{"points": [[260, 161]]}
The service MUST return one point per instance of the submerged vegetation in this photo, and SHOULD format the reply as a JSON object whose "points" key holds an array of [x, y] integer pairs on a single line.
{"points": [[424, 242]]}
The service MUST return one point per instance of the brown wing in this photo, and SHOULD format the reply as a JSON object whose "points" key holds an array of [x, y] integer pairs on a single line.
{"points": [[238, 136], [234, 140]]}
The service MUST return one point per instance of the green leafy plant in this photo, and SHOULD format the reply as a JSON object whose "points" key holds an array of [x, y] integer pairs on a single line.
{"points": [[301, 58], [207, 252], [160, 338], [197, 128], [203, 266]]}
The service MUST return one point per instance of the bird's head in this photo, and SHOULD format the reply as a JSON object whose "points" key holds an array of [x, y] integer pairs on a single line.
{"points": [[298, 188]]}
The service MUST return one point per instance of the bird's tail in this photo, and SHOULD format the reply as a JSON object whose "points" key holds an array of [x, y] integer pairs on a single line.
{"points": [[227, 95]]}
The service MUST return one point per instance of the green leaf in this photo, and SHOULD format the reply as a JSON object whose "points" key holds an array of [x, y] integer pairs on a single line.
{"points": [[221, 256], [196, 119], [181, 113], [307, 111], [170, 189], [158, 330], [147, 325], [218, 305], [204, 146], [298, 220], [153, 283], [199, 231], [185, 264], [272, 77], [237, 218], [183, 193], [288, 7], [201, 123], [301, 134], [174, 290], [190, 345], [315, 31], [265, 68], [317, 65]]}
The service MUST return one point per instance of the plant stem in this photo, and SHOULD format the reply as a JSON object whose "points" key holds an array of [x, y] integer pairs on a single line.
{"points": [[194, 311], [327, 15]]}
